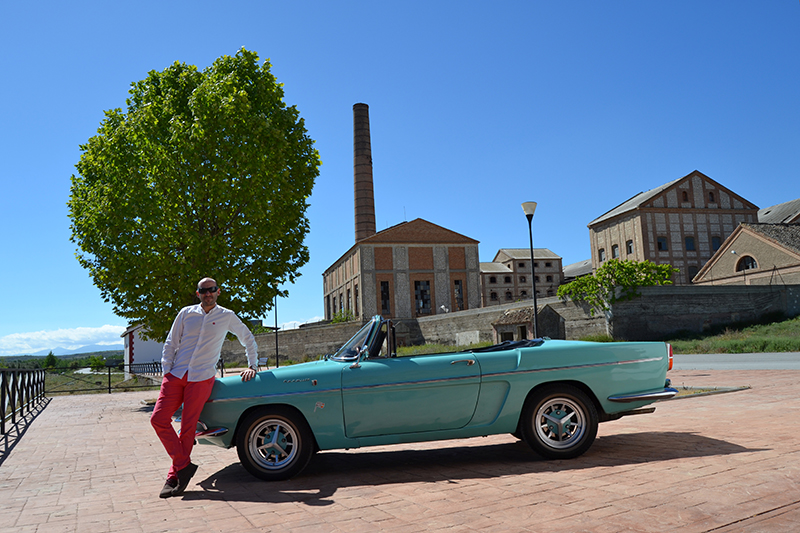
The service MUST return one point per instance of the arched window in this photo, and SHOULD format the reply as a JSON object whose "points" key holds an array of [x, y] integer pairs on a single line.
{"points": [[509, 296], [746, 263], [493, 296]]}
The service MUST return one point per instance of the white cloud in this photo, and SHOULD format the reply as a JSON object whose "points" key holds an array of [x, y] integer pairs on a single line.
{"points": [[28, 343], [294, 324]]}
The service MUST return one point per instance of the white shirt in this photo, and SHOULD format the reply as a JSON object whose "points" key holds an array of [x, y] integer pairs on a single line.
{"points": [[195, 340]]}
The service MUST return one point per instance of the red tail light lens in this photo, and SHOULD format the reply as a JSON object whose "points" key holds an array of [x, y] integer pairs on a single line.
{"points": [[669, 348]]}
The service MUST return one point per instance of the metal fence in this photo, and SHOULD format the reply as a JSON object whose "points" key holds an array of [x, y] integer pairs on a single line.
{"points": [[102, 380], [20, 392]]}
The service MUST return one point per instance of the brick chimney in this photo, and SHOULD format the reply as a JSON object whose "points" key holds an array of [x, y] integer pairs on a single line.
{"points": [[362, 173]]}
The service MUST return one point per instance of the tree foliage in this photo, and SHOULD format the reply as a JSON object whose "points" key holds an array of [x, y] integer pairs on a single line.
{"points": [[616, 281], [206, 173]]}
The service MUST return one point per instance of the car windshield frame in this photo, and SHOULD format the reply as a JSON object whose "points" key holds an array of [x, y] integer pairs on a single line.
{"points": [[352, 349]]}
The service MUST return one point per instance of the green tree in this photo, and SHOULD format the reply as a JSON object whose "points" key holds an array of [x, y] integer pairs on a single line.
{"points": [[207, 173], [51, 361], [616, 281]]}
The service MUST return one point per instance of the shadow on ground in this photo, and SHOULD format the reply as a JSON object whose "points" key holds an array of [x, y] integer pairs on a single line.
{"points": [[15, 432], [329, 471]]}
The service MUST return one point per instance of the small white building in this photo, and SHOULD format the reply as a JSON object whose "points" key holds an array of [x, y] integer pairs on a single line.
{"points": [[139, 350]]}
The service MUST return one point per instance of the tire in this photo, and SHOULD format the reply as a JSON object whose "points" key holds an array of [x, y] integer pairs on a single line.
{"points": [[274, 443], [559, 422]]}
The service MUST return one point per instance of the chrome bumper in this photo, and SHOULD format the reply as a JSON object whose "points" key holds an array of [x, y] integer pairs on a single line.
{"points": [[665, 394], [216, 432]]}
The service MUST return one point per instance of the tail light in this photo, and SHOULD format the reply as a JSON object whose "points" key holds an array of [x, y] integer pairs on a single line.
{"points": [[669, 349]]}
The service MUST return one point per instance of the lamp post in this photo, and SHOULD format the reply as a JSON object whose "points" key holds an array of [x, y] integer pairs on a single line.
{"points": [[529, 208]]}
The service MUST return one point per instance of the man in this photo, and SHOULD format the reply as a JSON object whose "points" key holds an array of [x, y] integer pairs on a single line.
{"points": [[189, 362]]}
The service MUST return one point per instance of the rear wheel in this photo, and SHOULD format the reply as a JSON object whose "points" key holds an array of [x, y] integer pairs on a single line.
{"points": [[274, 443], [559, 422]]}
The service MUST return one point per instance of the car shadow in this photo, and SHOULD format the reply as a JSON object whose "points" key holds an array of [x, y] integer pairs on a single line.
{"points": [[329, 471]]}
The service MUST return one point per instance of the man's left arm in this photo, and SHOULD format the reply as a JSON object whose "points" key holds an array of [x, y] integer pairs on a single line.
{"points": [[246, 339]]}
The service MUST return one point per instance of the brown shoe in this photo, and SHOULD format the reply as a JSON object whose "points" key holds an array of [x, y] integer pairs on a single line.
{"points": [[184, 476], [169, 486]]}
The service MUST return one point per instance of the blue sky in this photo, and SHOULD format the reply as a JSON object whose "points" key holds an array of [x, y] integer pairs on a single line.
{"points": [[475, 107]]}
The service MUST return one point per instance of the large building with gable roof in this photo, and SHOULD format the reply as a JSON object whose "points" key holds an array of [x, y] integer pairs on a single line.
{"points": [[681, 223]]}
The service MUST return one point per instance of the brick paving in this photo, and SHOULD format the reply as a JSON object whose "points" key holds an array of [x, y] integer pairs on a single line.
{"points": [[719, 463]]}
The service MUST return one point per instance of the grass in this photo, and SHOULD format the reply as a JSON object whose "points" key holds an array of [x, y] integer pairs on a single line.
{"points": [[773, 336], [78, 383]]}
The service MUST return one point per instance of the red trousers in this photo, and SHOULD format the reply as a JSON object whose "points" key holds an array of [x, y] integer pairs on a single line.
{"points": [[174, 392]]}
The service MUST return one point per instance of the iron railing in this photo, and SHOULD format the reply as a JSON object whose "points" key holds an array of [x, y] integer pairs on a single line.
{"points": [[20, 392]]}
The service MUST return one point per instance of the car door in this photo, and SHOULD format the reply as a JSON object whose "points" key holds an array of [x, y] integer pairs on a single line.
{"points": [[394, 395]]}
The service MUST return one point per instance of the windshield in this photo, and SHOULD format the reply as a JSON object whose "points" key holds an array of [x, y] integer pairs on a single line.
{"points": [[352, 348]]}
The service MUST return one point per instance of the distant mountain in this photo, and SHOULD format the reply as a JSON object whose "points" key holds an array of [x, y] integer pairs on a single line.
{"points": [[83, 349]]}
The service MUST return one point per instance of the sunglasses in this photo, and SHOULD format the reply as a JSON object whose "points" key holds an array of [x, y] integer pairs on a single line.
{"points": [[203, 290]]}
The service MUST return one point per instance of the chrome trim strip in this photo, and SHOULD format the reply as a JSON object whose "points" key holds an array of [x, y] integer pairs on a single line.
{"points": [[664, 394], [476, 377], [443, 380], [573, 367], [296, 393]]}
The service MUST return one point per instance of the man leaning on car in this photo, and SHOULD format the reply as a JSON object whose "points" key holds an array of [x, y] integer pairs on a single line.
{"points": [[189, 362]]}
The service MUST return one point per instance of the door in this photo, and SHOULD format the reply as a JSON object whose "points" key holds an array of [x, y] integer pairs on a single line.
{"points": [[388, 396]]}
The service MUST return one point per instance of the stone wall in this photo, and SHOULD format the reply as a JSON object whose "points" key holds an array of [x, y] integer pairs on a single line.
{"points": [[656, 314], [666, 310]]}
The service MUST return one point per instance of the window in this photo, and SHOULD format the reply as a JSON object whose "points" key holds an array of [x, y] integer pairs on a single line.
{"points": [[711, 197], [458, 289], [492, 279], [507, 279], [550, 292], [349, 300], [523, 279], [422, 297], [746, 263], [693, 270], [615, 251], [689, 244], [536, 264], [334, 304], [509, 296], [602, 254], [716, 242], [386, 309], [548, 264], [662, 244], [537, 281], [523, 294], [356, 302], [550, 279], [521, 265], [685, 196], [493, 296], [629, 247]]}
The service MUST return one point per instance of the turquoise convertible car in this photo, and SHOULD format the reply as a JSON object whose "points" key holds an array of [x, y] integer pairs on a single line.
{"points": [[550, 393]]}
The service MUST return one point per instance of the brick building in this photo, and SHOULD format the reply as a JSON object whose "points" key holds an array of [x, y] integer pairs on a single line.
{"points": [[508, 277], [412, 269], [681, 223]]}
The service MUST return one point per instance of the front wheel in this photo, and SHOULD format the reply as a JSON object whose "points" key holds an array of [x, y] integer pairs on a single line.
{"points": [[274, 443], [559, 422]]}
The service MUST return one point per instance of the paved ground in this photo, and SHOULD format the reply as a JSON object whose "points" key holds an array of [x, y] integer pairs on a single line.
{"points": [[722, 463]]}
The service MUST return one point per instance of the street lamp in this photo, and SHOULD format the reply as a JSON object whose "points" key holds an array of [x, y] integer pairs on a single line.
{"points": [[529, 208]]}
